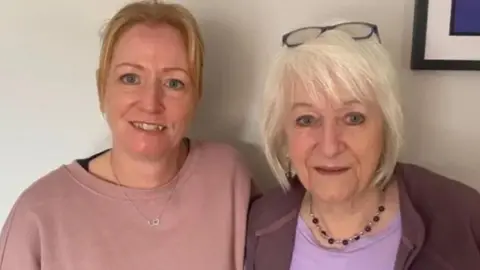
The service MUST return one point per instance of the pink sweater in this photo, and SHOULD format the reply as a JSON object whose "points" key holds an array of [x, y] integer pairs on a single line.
{"points": [[71, 220]]}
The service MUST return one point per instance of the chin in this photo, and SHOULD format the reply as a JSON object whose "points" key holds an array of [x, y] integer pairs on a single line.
{"points": [[150, 151], [331, 193], [146, 146]]}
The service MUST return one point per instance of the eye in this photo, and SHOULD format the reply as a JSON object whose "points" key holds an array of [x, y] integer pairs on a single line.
{"points": [[354, 119], [130, 78], [305, 121], [175, 84]]}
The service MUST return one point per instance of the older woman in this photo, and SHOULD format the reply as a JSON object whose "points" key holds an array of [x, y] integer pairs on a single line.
{"points": [[333, 129], [156, 199]]}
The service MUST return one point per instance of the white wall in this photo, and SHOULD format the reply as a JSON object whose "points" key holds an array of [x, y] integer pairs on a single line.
{"points": [[48, 104]]}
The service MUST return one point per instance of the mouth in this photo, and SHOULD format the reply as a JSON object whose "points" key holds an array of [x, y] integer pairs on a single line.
{"points": [[327, 170], [149, 127]]}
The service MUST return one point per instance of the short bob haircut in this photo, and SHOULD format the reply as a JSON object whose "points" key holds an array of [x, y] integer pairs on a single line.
{"points": [[331, 63], [152, 13]]}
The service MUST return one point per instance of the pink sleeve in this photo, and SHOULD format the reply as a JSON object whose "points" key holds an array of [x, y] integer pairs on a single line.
{"points": [[19, 241], [242, 186]]}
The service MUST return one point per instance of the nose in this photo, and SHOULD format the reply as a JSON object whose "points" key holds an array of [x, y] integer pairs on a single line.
{"points": [[152, 97], [331, 144]]}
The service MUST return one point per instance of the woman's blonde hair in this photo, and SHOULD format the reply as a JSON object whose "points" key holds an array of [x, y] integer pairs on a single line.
{"points": [[152, 13], [331, 63]]}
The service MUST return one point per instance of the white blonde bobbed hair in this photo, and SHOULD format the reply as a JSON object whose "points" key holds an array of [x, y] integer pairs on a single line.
{"points": [[331, 63]]}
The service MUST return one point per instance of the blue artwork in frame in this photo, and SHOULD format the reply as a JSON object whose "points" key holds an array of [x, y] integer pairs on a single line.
{"points": [[452, 21], [465, 18]]}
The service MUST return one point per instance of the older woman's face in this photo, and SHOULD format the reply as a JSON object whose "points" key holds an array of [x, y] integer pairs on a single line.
{"points": [[149, 96], [334, 146]]}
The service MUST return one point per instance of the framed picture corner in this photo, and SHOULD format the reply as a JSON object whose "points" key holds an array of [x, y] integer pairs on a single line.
{"points": [[446, 35]]}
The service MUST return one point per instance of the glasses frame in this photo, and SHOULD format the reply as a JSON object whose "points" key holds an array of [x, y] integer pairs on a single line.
{"points": [[323, 29]]}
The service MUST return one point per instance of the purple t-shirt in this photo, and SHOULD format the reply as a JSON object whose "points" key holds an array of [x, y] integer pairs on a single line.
{"points": [[376, 252]]}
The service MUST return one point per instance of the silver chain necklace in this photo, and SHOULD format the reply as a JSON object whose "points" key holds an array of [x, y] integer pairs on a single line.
{"points": [[152, 222]]}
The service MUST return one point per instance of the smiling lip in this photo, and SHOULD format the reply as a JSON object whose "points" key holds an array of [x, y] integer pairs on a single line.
{"points": [[331, 170], [148, 127]]}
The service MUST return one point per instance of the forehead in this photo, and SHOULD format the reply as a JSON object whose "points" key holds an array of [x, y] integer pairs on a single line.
{"points": [[316, 83], [316, 96], [146, 44]]}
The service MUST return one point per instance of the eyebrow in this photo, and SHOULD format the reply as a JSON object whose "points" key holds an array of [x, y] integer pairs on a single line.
{"points": [[301, 104], [351, 102], [137, 66], [310, 105], [129, 65]]}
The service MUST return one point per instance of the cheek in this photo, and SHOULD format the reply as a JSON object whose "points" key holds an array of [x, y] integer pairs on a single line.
{"points": [[367, 146], [299, 147], [115, 96], [179, 109], [116, 104], [375, 138]]}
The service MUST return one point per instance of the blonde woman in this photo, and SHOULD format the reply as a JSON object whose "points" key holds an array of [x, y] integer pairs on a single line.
{"points": [[156, 199], [333, 133]]}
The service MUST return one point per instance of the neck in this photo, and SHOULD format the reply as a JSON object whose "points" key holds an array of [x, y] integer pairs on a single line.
{"points": [[344, 219], [144, 174]]}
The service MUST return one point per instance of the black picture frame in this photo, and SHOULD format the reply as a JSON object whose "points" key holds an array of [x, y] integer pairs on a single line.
{"points": [[418, 61]]}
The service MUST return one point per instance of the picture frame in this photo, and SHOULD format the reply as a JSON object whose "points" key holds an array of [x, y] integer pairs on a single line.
{"points": [[446, 35]]}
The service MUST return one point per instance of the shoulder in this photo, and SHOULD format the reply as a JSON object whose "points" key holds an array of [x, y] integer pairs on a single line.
{"points": [[262, 209], [424, 184], [274, 206], [442, 202], [444, 205], [220, 161], [45, 190], [217, 151], [36, 202], [273, 219]]}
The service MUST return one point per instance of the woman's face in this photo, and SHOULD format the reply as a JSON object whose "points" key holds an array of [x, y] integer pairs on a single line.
{"points": [[149, 94], [334, 146]]}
